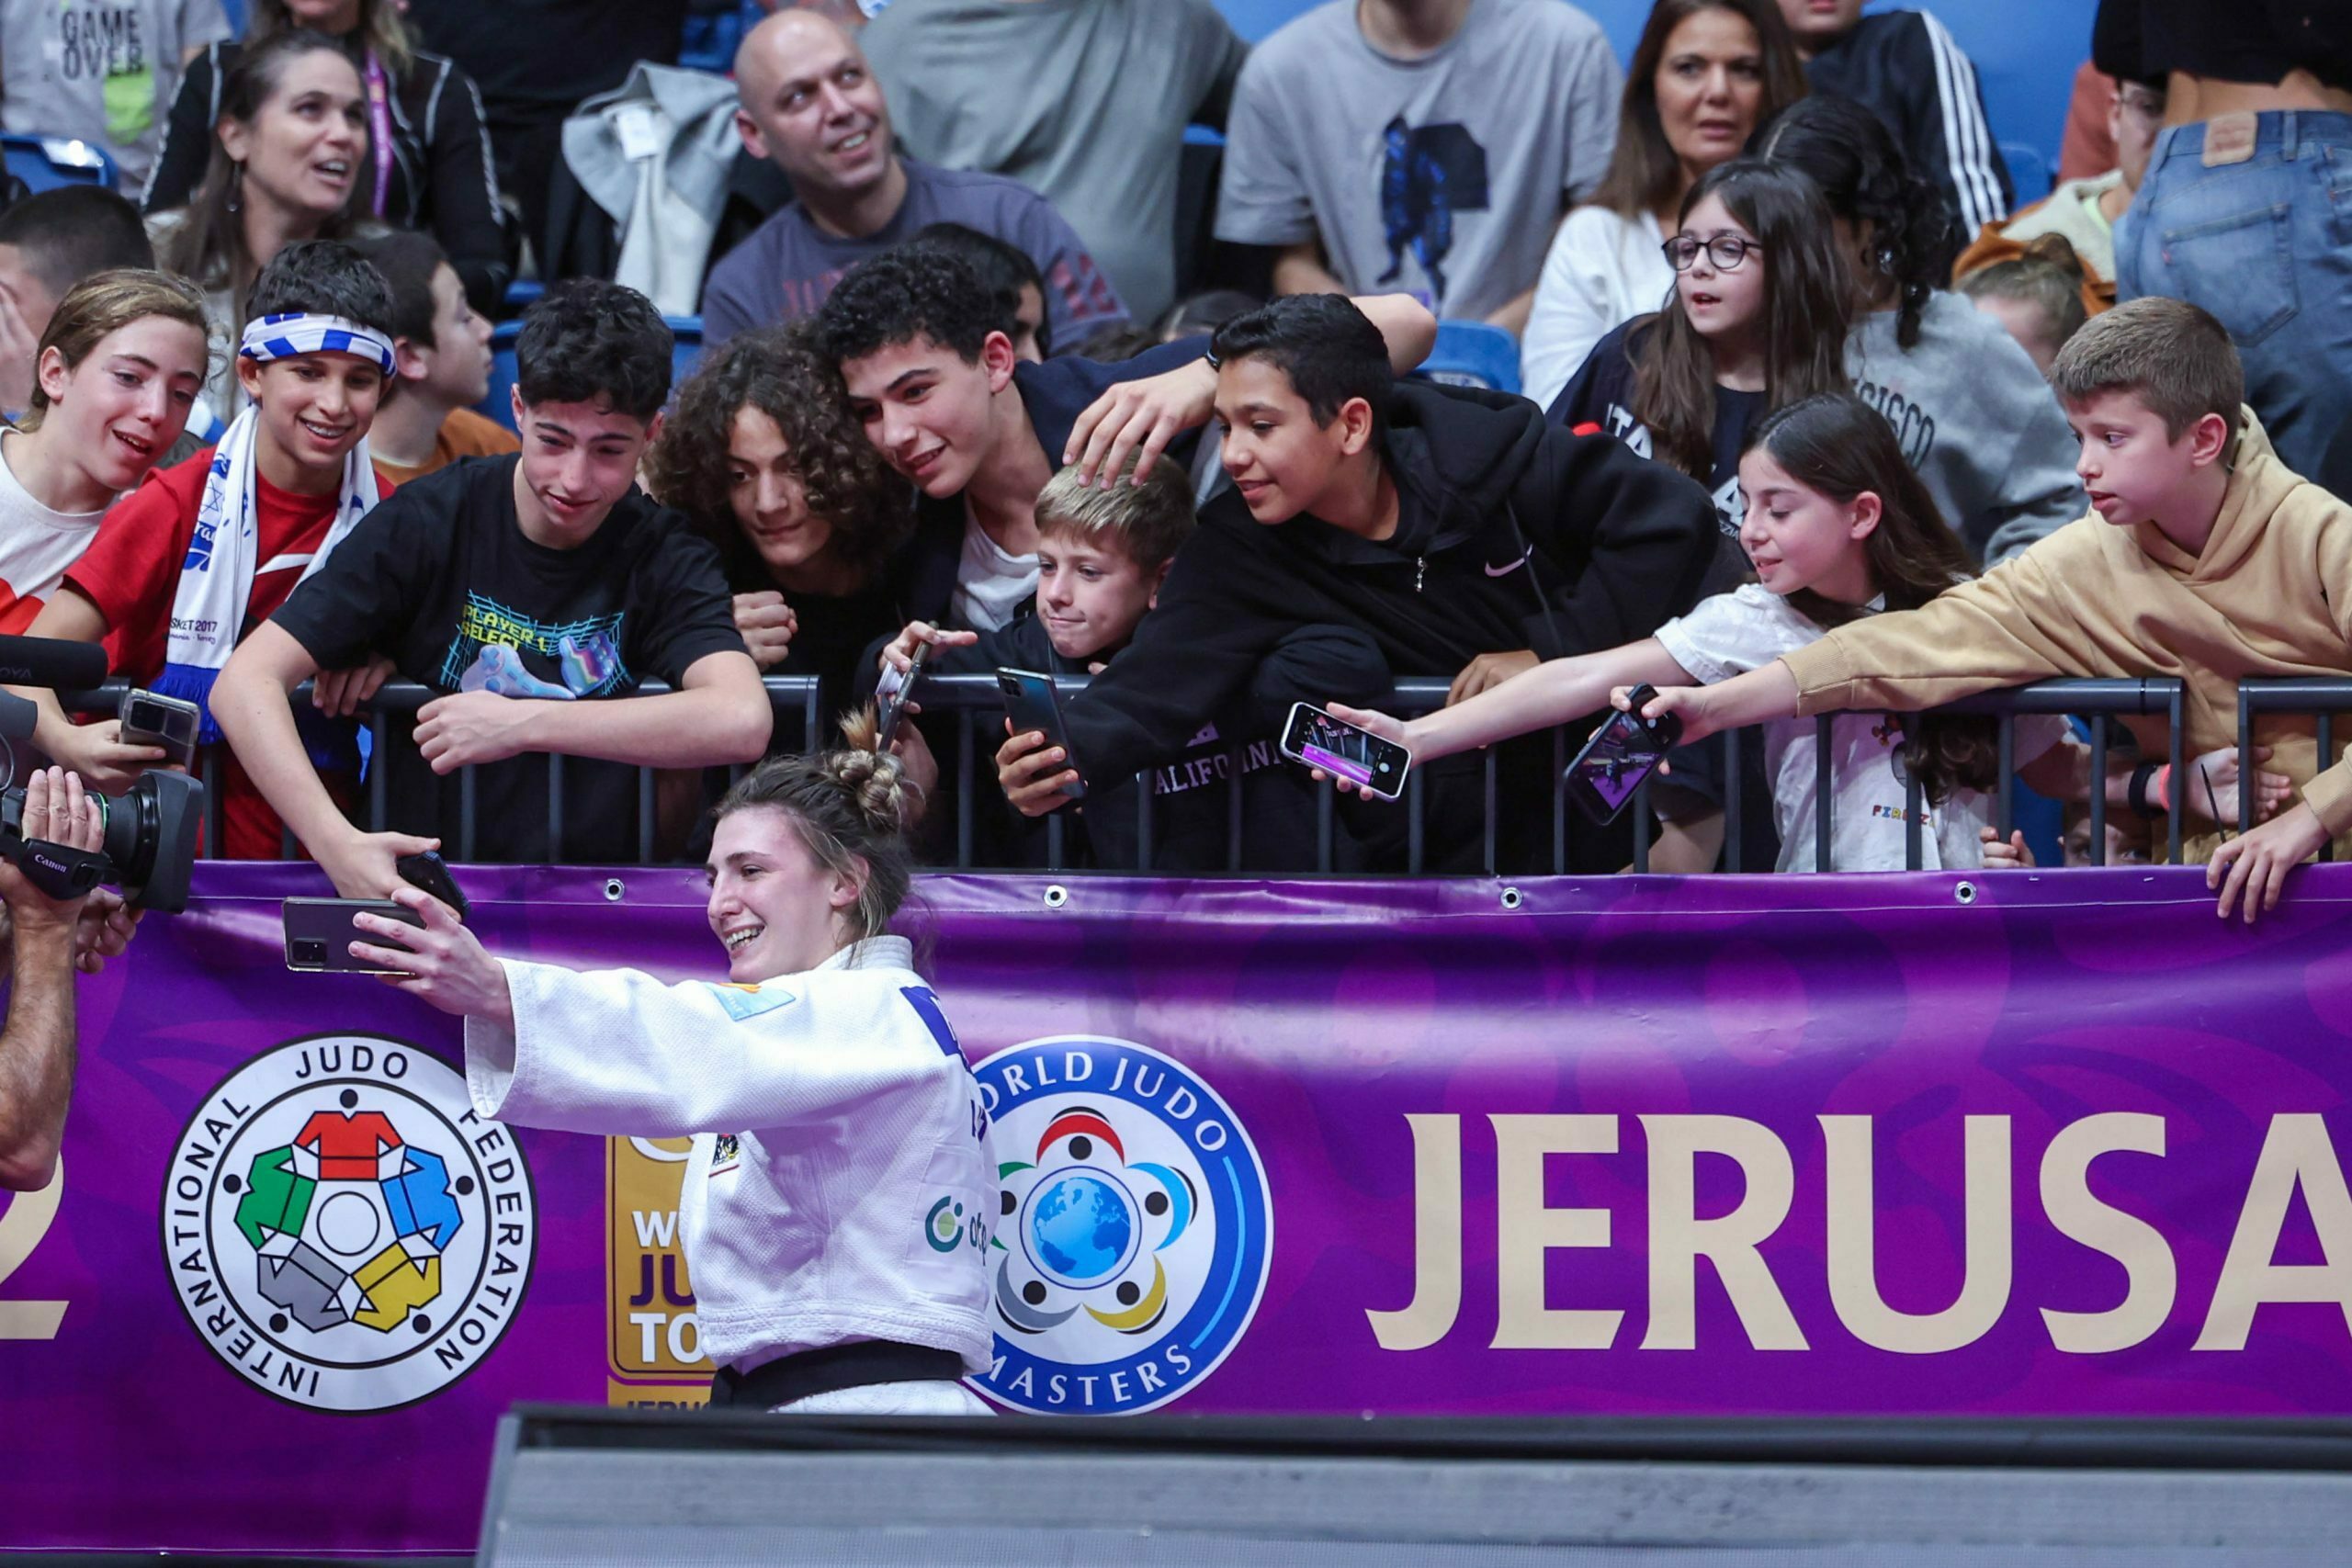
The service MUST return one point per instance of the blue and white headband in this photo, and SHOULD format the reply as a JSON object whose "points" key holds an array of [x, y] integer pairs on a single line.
{"points": [[295, 332]]}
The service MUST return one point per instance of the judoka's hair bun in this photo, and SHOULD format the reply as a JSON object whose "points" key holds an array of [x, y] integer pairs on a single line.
{"points": [[875, 783]]}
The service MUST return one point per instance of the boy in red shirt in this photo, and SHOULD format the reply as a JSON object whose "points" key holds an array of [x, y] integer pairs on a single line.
{"points": [[210, 548]]}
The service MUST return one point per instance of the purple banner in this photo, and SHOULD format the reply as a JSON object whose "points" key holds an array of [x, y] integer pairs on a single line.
{"points": [[2025, 1144]]}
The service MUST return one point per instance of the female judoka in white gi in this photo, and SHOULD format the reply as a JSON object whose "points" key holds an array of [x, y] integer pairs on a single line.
{"points": [[841, 1193]]}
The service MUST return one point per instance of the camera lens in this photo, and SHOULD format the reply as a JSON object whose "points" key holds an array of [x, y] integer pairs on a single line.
{"points": [[310, 952]]}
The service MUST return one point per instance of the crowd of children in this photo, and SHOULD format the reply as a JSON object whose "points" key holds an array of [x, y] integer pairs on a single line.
{"points": [[1816, 478]]}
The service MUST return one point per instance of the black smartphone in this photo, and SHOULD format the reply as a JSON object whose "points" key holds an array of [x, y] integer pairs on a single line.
{"points": [[1623, 751], [430, 872], [320, 931], [1031, 702], [1374, 765], [890, 697], [150, 719]]}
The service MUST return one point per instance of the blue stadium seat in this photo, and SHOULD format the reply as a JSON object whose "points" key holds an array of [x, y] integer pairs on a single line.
{"points": [[1472, 354], [44, 163], [499, 402], [2030, 172]]}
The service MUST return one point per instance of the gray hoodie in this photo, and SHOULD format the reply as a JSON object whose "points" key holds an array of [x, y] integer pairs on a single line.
{"points": [[1976, 419]]}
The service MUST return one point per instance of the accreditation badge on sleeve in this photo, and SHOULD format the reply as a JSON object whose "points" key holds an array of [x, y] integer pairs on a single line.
{"points": [[744, 1003]]}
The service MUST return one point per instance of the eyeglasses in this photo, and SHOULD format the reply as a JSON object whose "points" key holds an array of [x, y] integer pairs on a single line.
{"points": [[1726, 250]]}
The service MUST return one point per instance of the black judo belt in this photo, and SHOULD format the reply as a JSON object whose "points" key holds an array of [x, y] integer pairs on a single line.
{"points": [[832, 1368]]}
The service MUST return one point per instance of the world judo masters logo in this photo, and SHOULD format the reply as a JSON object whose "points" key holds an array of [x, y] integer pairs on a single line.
{"points": [[1134, 1233], [342, 1229]]}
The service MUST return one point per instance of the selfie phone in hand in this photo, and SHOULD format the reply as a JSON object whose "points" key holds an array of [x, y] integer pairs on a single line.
{"points": [[150, 720], [430, 872], [1345, 750], [1623, 751], [890, 696], [320, 931], [1032, 703]]}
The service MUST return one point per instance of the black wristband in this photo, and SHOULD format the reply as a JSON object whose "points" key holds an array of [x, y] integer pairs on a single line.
{"points": [[2136, 796]]}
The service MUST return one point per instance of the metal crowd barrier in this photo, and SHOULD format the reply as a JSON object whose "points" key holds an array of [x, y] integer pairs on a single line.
{"points": [[796, 697], [2099, 700], [2320, 696]]}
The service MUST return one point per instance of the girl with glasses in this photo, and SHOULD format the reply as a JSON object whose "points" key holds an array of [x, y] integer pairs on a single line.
{"points": [[1755, 320], [1704, 75]]}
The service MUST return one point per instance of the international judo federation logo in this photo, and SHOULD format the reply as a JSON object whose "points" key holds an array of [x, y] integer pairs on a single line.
{"points": [[343, 1229], [1134, 1233]]}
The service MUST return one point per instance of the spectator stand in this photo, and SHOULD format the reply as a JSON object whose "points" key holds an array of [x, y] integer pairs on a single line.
{"points": [[499, 405], [45, 162], [2025, 52]]}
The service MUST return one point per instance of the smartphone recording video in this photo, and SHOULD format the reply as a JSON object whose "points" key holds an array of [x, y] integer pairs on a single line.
{"points": [[1374, 766], [1623, 751]]}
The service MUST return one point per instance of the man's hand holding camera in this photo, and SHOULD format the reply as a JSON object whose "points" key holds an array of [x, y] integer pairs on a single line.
{"points": [[48, 938], [58, 811]]}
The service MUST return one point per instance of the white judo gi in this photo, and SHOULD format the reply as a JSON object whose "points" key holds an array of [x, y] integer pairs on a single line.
{"points": [[840, 1185]]}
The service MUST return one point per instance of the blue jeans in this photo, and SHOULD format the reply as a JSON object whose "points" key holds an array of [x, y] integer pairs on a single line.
{"points": [[2265, 245]]}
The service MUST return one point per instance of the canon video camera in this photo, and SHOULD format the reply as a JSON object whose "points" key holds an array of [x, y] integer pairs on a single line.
{"points": [[150, 845]]}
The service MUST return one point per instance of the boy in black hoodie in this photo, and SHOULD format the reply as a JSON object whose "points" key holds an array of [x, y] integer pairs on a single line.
{"points": [[1102, 553], [1466, 536]]}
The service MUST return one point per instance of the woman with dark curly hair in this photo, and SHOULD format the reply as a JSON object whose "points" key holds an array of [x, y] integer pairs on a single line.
{"points": [[762, 457]]}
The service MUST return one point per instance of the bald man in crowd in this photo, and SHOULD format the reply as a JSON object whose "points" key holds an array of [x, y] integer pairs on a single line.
{"points": [[811, 106]]}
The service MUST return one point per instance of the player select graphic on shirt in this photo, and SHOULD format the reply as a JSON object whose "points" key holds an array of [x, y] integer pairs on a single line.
{"points": [[487, 653], [343, 1232], [1427, 174]]}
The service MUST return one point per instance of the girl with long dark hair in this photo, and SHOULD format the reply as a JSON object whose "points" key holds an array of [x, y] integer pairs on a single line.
{"points": [[1973, 415], [1706, 74], [1838, 526], [428, 163], [285, 156], [1757, 321]]}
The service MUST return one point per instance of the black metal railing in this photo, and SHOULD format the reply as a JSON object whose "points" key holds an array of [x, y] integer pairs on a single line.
{"points": [[796, 698], [2320, 697], [2100, 700]]}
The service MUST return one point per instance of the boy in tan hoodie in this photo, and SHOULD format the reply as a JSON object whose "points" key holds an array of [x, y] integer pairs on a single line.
{"points": [[2208, 559]]}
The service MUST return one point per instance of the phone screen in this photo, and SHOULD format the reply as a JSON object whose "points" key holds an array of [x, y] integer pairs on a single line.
{"points": [[1621, 754], [890, 696], [1344, 751]]}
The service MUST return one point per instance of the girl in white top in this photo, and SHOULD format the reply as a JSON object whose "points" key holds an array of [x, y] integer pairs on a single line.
{"points": [[1838, 526], [1706, 74], [120, 366], [841, 1195]]}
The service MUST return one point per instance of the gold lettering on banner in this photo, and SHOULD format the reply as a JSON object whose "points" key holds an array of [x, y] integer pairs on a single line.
{"points": [[2296, 1155], [654, 1353], [2298, 1159], [28, 1219]]}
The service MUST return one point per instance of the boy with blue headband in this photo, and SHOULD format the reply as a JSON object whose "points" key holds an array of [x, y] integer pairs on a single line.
{"points": [[524, 590], [203, 550]]}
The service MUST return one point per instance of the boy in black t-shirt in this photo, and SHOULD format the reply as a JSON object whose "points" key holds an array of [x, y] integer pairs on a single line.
{"points": [[523, 587]]}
